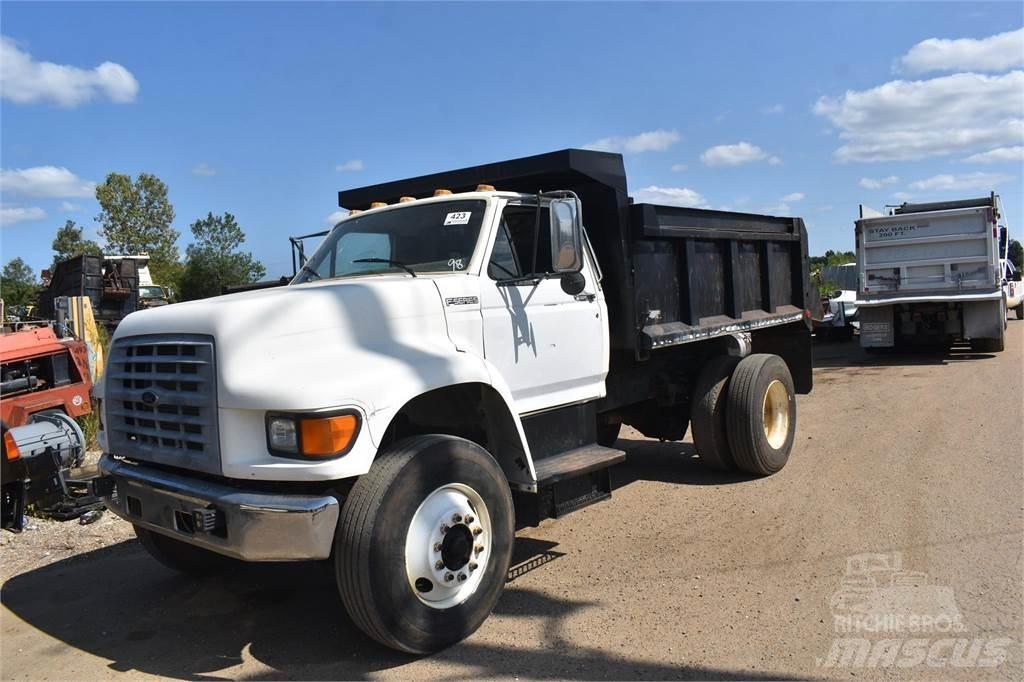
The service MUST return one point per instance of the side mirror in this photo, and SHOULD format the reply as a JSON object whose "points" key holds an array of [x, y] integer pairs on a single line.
{"points": [[566, 230]]}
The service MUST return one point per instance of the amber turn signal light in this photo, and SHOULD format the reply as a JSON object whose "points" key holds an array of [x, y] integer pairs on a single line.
{"points": [[328, 436], [11, 450]]}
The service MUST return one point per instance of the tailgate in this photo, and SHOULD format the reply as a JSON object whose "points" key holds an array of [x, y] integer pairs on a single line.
{"points": [[921, 252]]}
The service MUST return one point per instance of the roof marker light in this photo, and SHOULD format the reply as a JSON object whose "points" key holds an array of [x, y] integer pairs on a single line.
{"points": [[378, 204], [442, 192], [355, 211], [406, 200], [485, 188]]}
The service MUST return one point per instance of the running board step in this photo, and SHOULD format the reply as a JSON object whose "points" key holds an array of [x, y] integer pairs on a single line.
{"points": [[567, 482], [576, 462]]}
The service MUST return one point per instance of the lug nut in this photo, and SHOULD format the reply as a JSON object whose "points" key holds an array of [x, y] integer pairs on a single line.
{"points": [[444, 527], [469, 518], [478, 530], [437, 546], [456, 518], [473, 566], [478, 549], [462, 577], [438, 565], [448, 577]]}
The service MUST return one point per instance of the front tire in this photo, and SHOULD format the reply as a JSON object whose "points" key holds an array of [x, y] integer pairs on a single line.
{"points": [[761, 414], [424, 543]]}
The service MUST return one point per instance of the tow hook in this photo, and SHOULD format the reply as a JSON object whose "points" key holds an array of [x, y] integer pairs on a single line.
{"points": [[206, 520]]}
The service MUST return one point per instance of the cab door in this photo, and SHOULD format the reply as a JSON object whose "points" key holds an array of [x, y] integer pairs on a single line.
{"points": [[550, 347]]}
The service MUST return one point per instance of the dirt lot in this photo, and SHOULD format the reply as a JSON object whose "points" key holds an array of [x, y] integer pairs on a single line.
{"points": [[903, 502]]}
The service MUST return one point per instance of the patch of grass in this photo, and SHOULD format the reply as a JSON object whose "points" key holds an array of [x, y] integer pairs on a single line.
{"points": [[90, 424]]}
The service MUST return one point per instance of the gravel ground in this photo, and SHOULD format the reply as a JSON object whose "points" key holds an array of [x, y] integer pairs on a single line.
{"points": [[904, 495]]}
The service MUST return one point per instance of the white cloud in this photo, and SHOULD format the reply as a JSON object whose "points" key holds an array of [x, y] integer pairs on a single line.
{"points": [[68, 207], [995, 53], [349, 166], [795, 196], [25, 81], [736, 155], [871, 183], [335, 217], [651, 141], [670, 196], [45, 181], [902, 196], [948, 182], [204, 169], [907, 120], [773, 109], [999, 155], [781, 208], [679, 167], [12, 215]]}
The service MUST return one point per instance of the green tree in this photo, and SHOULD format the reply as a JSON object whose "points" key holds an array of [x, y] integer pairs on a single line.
{"points": [[135, 217], [1016, 255], [18, 284], [213, 261], [69, 243]]}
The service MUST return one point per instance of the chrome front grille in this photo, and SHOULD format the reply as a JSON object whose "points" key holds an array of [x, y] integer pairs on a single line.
{"points": [[161, 401]]}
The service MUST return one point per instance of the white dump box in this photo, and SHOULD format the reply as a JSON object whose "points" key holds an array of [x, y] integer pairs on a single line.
{"points": [[929, 274]]}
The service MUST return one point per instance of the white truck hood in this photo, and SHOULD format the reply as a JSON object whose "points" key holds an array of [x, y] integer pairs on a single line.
{"points": [[309, 346]]}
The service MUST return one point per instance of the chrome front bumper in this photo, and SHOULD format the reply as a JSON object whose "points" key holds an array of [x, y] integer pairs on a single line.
{"points": [[244, 524]]}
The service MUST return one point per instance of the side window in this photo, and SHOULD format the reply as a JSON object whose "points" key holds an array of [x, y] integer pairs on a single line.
{"points": [[503, 257], [356, 245], [520, 223]]}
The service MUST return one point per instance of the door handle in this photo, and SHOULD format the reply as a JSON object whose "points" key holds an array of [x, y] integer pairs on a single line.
{"points": [[589, 298]]}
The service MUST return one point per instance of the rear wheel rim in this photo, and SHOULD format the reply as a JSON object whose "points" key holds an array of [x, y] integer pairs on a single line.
{"points": [[775, 414], [448, 546]]}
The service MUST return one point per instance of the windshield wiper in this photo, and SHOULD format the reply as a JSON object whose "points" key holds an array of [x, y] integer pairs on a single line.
{"points": [[306, 268], [388, 261]]}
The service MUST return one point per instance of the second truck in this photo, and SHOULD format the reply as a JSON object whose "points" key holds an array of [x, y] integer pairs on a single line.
{"points": [[930, 274], [453, 362]]}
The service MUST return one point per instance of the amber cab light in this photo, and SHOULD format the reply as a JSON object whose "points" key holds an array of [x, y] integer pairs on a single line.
{"points": [[328, 436], [11, 448]]}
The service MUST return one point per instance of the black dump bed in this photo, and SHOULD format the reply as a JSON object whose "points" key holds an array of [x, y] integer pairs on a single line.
{"points": [[671, 275], [111, 285]]}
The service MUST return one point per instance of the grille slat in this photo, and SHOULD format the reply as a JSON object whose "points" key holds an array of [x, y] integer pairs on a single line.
{"points": [[161, 401], [160, 416], [167, 397], [131, 432], [156, 376]]}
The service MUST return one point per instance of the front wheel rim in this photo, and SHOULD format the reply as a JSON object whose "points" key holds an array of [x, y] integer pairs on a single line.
{"points": [[448, 546], [775, 414]]}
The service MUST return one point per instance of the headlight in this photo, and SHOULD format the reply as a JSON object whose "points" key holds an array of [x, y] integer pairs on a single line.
{"points": [[282, 434], [314, 436]]}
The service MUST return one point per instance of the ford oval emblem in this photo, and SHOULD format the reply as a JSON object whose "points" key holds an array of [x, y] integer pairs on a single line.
{"points": [[150, 398]]}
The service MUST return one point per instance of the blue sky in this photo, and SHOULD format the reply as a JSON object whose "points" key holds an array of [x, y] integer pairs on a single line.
{"points": [[267, 110]]}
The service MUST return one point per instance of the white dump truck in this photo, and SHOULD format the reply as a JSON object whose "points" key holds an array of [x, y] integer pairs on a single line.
{"points": [[930, 275], [454, 361]]}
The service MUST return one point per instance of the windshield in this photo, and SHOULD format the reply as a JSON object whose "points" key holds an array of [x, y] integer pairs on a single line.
{"points": [[434, 237], [151, 292]]}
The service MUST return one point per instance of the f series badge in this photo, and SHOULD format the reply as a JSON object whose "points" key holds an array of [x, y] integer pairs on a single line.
{"points": [[462, 300]]}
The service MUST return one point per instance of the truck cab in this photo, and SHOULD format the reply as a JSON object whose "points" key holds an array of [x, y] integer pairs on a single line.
{"points": [[453, 361]]}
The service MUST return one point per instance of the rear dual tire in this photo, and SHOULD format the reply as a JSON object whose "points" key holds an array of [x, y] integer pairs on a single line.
{"points": [[761, 414], [744, 414]]}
